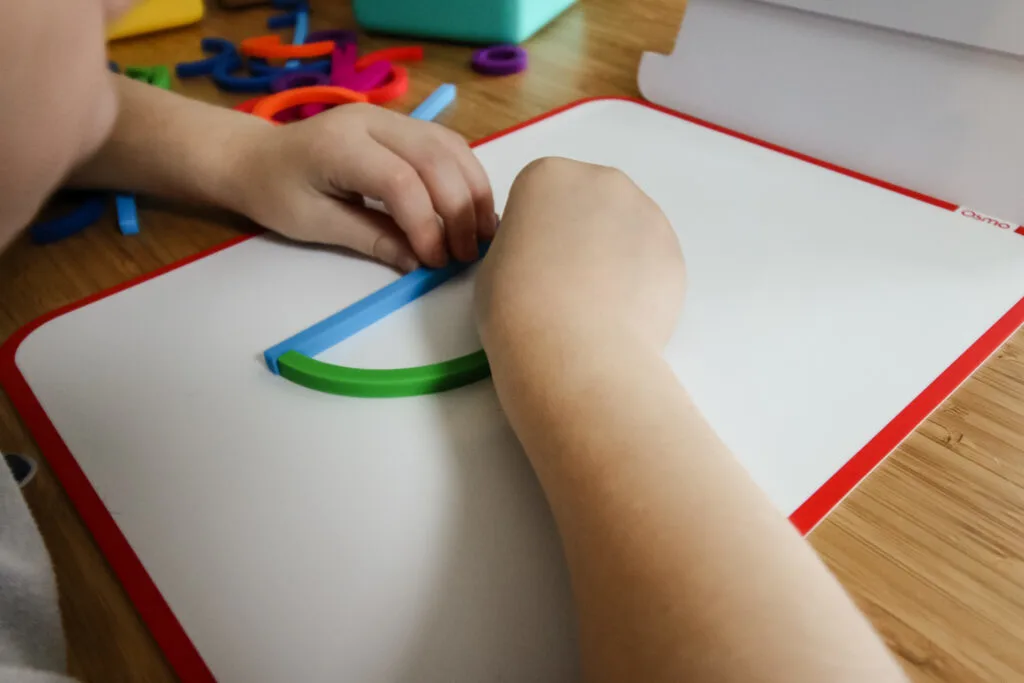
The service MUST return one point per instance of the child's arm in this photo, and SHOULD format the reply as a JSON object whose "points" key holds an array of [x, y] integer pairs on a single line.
{"points": [[682, 569], [301, 179]]}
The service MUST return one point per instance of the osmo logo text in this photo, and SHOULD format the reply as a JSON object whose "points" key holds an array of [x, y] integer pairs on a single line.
{"points": [[988, 220]]}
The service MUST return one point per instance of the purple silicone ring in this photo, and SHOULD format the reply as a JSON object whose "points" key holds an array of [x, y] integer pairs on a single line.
{"points": [[500, 60], [338, 36], [299, 79]]}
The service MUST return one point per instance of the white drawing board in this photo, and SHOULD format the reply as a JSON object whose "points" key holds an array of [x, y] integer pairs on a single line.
{"points": [[268, 532]]}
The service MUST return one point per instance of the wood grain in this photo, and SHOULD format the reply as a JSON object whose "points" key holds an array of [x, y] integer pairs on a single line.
{"points": [[931, 546]]}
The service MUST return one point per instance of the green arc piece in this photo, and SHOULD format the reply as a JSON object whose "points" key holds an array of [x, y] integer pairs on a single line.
{"points": [[361, 382]]}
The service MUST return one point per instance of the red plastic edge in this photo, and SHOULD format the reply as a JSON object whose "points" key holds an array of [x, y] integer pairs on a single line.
{"points": [[179, 650], [842, 483]]}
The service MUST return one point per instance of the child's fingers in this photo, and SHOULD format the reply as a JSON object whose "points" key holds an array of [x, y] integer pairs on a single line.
{"points": [[383, 175], [368, 232], [453, 202], [477, 180], [443, 178]]}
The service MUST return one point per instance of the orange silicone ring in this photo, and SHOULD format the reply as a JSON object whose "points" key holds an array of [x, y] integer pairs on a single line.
{"points": [[392, 54], [271, 47], [271, 106], [395, 87], [247, 107]]}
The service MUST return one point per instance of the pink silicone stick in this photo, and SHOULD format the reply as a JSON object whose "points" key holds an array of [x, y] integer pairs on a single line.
{"points": [[343, 61], [369, 78], [307, 110], [288, 115], [343, 65]]}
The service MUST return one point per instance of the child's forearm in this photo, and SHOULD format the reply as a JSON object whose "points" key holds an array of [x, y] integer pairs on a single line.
{"points": [[681, 567], [167, 145]]}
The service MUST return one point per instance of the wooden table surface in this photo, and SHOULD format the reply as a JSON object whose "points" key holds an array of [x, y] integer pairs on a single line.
{"points": [[930, 546]]}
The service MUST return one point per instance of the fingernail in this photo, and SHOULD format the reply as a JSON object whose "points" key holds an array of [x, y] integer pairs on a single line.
{"points": [[407, 264], [440, 256], [485, 226]]}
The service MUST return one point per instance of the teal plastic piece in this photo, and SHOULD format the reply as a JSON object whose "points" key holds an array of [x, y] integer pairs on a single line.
{"points": [[471, 21]]}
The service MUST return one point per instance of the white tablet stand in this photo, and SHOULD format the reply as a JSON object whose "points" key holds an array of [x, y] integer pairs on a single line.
{"points": [[933, 115]]}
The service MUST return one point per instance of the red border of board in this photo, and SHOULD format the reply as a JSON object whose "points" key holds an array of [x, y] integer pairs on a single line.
{"points": [[156, 613]]}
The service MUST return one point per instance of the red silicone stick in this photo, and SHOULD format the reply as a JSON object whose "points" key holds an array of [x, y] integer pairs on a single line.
{"points": [[271, 47], [413, 53], [396, 86]]}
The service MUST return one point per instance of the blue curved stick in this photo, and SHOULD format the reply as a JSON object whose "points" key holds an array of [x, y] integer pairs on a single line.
{"points": [[436, 102], [225, 81], [363, 313], [87, 213], [284, 20], [222, 49]]}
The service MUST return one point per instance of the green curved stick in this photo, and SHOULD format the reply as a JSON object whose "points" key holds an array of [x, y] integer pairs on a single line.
{"points": [[363, 383]]}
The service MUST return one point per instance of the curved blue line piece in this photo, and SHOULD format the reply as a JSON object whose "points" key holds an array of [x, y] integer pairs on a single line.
{"points": [[363, 313], [285, 20], [220, 49], [225, 81], [87, 213], [436, 102]]}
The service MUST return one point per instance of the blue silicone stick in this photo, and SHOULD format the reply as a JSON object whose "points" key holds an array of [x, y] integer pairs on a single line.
{"points": [[363, 313], [260, 67], [127, 214], [301, 31], [436, 102]]}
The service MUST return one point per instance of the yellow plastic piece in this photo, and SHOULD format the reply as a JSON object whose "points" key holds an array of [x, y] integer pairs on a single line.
{"points": [[149, 16]]}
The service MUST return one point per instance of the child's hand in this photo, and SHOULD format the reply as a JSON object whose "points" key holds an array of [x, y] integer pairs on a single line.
{"points": [[582, 255], [306, 181]]}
